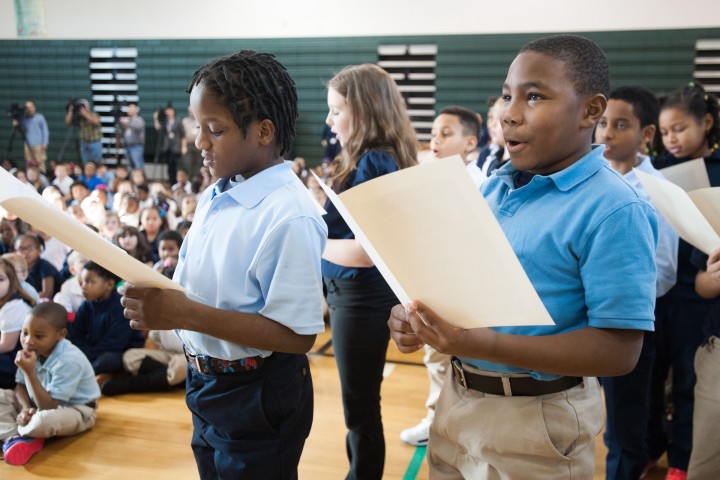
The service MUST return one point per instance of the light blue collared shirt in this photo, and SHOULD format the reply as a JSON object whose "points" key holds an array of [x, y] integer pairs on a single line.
{"points": [[666, 257], [66, 374], [586, 240], [36, 130], [255, 247]]}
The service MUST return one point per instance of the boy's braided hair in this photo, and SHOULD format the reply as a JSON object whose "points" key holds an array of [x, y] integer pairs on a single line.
{"points": [[254, 86]]}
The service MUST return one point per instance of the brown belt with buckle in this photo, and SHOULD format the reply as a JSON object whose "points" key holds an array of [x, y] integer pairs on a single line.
{"points": [[218, 366], [510, 386]]}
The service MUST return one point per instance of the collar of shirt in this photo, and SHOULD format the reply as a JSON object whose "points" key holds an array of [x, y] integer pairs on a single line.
{"points": [[566, 178], [252, 191]]}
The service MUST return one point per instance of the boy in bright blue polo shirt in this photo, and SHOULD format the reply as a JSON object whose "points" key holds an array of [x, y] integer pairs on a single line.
{"points": [[252, 257], [521, 401], [56, 391]]}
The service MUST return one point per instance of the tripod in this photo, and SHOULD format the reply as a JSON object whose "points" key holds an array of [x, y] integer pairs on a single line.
{"points": [[72, 132], [18, 129]]}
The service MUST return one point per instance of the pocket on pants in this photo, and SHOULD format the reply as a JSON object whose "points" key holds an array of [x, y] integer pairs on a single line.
{"points": [[571, 419]]}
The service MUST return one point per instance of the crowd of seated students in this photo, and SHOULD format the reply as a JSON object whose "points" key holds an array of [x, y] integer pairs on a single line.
{"points": [[125, 208]]}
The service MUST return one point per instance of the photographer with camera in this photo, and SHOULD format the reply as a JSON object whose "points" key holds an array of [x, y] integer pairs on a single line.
{"points": [[34, 130], [171, 139], [88, 123], [133, 131]]}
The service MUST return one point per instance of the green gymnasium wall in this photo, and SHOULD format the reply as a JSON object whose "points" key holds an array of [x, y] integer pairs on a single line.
{"points": [[469, 69]]}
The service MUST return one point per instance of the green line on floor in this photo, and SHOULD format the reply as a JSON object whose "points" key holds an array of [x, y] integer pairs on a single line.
{"points": [[415, 463]]}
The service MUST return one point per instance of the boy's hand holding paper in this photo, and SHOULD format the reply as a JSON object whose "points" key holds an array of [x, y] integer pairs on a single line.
{"points": [[435, 240]]}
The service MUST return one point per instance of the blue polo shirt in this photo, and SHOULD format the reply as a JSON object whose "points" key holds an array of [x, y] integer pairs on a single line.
{"points": [[586, 240], [255, 247], [66, 375]]}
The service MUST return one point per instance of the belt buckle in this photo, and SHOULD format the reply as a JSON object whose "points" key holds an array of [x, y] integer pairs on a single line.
{"points": [[193, 361], [458, 372]]}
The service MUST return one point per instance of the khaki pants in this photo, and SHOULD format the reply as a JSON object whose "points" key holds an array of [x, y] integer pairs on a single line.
{"points": [[437, 366], [61, 421], [36, 154], [482, 436], [176, 362], [704, 459]]}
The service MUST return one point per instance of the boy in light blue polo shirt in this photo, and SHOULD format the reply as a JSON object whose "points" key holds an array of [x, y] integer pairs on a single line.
{"points": [[252, 257], [56, 390], [521, 402]]}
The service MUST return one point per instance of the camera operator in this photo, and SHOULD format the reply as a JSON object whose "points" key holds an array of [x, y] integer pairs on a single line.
{"points": [[133, 130], [35, 131], [89, 130], [171, 139]]}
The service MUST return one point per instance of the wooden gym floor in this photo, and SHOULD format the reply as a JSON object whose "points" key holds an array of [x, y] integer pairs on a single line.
{"points": [[148, 436]]}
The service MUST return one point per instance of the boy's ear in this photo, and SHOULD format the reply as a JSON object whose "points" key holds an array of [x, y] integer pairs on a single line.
{"points": [[647, 134], [595, 106], [62, 334], [267, 132], [471, 142]]}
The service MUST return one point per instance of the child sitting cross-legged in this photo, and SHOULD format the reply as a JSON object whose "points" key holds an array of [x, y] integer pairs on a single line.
{"points": [[100, 330], [154, 369], [56, 392]]}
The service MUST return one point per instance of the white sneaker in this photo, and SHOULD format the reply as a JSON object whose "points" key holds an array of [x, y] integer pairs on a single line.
{"points": [[417, 435]]}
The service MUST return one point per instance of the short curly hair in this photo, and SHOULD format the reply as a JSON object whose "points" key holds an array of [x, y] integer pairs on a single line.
{"points": [[585, 63]]}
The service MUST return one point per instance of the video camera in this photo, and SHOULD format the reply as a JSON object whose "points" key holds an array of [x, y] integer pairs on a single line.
{"points": [[76, 106], [15, 111]]}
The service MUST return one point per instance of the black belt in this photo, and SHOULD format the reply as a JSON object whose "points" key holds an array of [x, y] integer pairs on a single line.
{"points": [[218, 366], [92, 404], [510, 386]]}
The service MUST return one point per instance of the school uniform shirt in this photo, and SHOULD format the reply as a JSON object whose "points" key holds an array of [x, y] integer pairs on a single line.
{"points": [[711, 326], [40, 270], [12, 315], [372, 164], [66, 374], [666, 256], [586, 240], [255, 247], [100, 327], [684, 289]]}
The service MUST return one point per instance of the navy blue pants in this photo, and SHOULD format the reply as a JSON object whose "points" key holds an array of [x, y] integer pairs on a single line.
{"points": [[678, 334], [252, 424], [359, 312], [627, 402], [108, 362]]}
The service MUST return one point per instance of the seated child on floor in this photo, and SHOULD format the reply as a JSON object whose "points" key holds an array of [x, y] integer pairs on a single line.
{"points": [[169, 242], [56, 392], [100, 330], [153, 369], [71, 295], [21, 269]]}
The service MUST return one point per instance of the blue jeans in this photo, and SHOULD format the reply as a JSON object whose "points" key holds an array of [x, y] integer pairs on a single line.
{"points": [[252, 424], [627, 402], [359, 311], [91, 152], [135, 156]]}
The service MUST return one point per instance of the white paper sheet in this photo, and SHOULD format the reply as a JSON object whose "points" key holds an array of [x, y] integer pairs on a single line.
{"points": [[434, 239], [689, 175], [681, 212], [35, 210]]}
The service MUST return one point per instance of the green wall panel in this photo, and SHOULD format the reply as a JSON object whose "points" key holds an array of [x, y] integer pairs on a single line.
{"points": [[470, 68]]}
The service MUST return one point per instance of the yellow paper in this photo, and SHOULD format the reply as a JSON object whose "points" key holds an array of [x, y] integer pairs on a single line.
{"points": [[694, 216], [433, 237], [35, 210]]}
